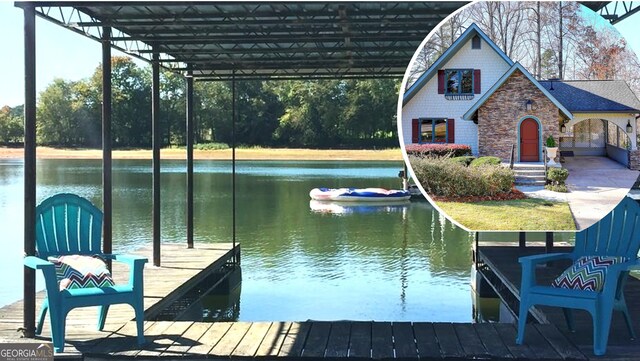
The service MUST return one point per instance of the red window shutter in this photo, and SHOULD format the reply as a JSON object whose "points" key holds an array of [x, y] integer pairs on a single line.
{"points": [[451, 131], [476, 81], [440, 81], [415, 130]]}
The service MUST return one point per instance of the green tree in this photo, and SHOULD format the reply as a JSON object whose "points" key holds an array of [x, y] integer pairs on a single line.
{"points": [[56, 121], [11, 125], [130, 102]]}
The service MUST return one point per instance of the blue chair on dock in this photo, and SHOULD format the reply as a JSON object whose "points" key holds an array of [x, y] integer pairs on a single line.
{"points": [[69, 253], [603, 255]]}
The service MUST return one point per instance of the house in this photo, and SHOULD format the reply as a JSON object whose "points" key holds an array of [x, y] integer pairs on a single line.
{"points": [[475, 94]]}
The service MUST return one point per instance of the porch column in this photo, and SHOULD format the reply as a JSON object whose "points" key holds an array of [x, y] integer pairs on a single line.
{"points": [[156, 139], [106, 143], [189, 159], [29, 290]]}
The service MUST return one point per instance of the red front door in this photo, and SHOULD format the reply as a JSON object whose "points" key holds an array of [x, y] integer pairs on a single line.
{"points": [[529, 141]]}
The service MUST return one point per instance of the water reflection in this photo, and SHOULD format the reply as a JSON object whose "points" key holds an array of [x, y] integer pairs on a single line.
{"points": [[403, 263], [357, 207]]}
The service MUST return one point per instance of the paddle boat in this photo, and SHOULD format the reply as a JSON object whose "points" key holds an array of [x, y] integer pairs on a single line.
{"points": [[358, 194]]}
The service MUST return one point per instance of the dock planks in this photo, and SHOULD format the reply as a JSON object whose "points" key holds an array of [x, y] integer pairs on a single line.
{"points": [[344, 340]]}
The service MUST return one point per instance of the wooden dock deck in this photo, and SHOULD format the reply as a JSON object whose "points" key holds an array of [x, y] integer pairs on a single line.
{"points": [[181, 268], [334, 340], [499, 265]]}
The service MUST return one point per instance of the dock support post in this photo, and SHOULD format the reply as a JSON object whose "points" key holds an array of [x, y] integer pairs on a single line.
{"points": [[548, 244], [233, 163], [29, 286], [189, 114], [522, 239], [107, 205], [155, 124]]}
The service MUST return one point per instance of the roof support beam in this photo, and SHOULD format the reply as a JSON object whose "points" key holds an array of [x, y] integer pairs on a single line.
{"points": [[107, 190], [189, 113], [29, 289], [156, 135]]}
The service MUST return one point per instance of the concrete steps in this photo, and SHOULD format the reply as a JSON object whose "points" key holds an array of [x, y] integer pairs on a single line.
{"points": [[529, 174]]}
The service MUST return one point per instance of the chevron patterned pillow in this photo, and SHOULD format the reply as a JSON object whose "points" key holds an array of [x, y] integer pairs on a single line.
{"points": [[75, 271], [587, 273]]}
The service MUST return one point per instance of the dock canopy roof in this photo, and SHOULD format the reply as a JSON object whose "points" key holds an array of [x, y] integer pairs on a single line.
{"points": [[594, 96], [260, 39]]}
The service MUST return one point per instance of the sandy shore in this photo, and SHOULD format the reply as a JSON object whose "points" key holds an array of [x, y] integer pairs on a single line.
{"points": [[241, 154]]}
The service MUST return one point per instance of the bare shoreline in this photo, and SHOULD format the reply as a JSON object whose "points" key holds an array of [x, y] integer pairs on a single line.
{"points": [[223, 154]]}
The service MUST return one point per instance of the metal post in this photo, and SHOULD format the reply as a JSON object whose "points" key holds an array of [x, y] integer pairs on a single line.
{"points": [[155, 124], [549, 242], [522, 241], [233, 162], [106, 143], [29, 291], [189, 159]]}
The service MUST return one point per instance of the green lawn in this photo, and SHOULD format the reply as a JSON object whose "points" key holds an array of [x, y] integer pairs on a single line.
{"points": [[523, 214]]}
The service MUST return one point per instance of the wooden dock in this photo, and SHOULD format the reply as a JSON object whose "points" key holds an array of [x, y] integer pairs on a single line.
{"points": [[499, 265], [180, 270], [334, 340]]}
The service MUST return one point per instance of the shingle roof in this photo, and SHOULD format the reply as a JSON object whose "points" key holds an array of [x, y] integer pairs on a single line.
{"points": [[596, 96]]}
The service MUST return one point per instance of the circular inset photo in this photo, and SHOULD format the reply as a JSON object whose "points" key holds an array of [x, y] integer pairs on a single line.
{"points": [[522, 116]]}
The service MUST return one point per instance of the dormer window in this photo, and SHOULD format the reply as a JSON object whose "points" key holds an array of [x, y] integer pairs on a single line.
{"points": [[458, 81], [475, 42]]}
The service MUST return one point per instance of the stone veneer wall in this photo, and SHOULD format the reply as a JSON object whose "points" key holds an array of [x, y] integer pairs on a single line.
{"points": [[499, 116], [634, 159]]}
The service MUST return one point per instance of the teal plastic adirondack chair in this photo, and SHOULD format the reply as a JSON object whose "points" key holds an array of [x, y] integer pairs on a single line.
{"points": [[616, 235], [67, 224]]}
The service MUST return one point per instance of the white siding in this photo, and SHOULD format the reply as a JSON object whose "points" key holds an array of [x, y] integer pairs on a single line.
{"points": [[427, 103]]}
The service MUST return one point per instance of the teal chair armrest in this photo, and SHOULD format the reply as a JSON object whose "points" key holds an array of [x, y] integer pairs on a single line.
{"points": [[38, 263], [136, 265], [528, 267], [540, 258], [49, 272]]}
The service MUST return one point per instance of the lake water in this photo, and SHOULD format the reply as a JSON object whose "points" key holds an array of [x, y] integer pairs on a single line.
{"points": [[299, 261]]}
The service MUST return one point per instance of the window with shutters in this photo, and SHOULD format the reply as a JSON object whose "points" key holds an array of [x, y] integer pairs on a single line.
{"points": [[458, 81], [433, 131]]}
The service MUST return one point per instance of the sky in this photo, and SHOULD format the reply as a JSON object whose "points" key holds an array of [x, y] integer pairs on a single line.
{"points": [[61, 53]]}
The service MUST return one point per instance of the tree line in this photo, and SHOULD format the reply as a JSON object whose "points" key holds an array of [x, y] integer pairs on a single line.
{"points": [[551, 39], [284, 113]]}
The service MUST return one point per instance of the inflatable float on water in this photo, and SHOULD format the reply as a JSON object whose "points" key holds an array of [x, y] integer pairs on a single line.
{"points": [[358, 194]]}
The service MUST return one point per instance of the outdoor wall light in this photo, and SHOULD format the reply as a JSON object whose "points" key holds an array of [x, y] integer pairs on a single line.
{"points": [[629, 127], [529, 103], [563, 128]]}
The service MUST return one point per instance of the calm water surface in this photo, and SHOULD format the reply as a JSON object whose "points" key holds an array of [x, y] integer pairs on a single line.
{"points": [[299, 261]]}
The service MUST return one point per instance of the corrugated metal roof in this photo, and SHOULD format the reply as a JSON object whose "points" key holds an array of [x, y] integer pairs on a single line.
{"points": [[260, 39]]}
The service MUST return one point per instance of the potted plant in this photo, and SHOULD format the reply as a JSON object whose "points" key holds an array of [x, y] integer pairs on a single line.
{"points": [[552, 150]]}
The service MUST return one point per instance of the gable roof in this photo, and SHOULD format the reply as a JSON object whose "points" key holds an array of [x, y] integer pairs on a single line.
{"points": [[447, 55], [594, 96], [503, 79]]}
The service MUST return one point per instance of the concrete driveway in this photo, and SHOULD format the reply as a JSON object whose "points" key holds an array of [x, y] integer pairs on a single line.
{"points": [[597, 185]]}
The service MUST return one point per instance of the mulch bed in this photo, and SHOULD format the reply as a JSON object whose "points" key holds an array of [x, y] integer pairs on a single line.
{"points": [[514, 194]]}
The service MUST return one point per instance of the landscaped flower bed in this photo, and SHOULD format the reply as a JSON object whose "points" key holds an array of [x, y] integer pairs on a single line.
{"points": [[438, 150]]}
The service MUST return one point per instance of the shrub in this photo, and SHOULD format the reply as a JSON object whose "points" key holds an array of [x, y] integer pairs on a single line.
{"points": [[438, 150], [561, 188], [486, 160], [556, 178], [551, 143], [466, 160], [444, 178], [210, 146]]}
